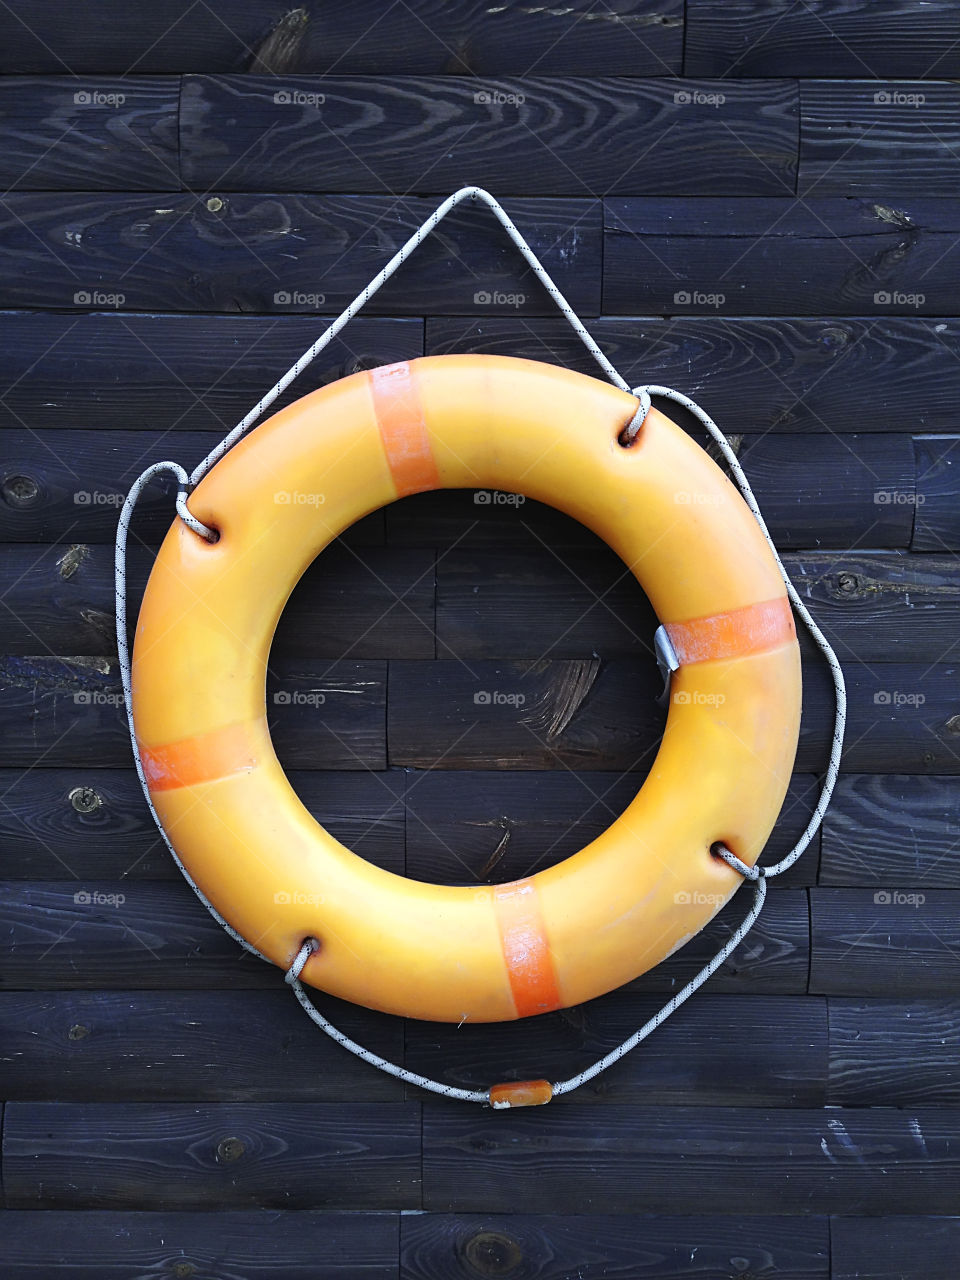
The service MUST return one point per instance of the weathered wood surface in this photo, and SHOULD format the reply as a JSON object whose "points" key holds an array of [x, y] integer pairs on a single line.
{"points": [[894, 1053], [863, 136], [78, 934], [122, 369], [893, 942], [677, 254], [72, 492], [557, 1247], [90, 821], [101, 1155], [775, 374], [77, 133], [259, 1244], [321, 714], [639, 1159], [895, 1248], [630, 37], [856, 38], [529, 135], [282, 253], [890, 829], [937, 526]]}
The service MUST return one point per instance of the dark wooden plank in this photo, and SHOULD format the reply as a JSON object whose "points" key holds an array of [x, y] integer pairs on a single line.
{"points": [[895, 941], [497, 825], [638, 1159], [101, 1155], [171, 251], [108, 133], [264, 1245], [631, 37], [530, 135], [937, 525], [751, 256], [874, 605], [595, 715], [793, 374], [822, 38], [70, 487], [78, 934], [894, 1053], [174, 372], [715, 1050], [365, 603], [94, 822], [894, 1248], [450, 1247], [796, 484], [866, 137], [322, 715], [884, 829], [218, 1046]]}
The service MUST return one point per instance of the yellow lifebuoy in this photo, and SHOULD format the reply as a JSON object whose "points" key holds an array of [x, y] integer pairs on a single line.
{"points": [[454, 953]]}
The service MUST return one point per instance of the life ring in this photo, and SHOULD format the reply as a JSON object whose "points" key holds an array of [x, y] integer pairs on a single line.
{"points": [[454, 953]]}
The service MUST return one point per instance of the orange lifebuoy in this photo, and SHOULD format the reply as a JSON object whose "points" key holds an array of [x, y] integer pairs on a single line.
{"points": [[454, 953]]}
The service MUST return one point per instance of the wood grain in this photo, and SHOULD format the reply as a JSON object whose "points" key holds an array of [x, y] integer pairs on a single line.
{"points": [[937, 526], [126, 370], [102, 1155], [895, 1248], [638, 1159], [92, 822], [894, 1053], [171, 251], [110, 133], [266, 1244], [859, 38], [462, 1246], [528, 135], [766, 374], [872, 257], [463, 38], [884, 829], [895, 942]]}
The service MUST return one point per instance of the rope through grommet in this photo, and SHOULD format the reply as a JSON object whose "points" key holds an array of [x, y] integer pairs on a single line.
{"points": [[515, 1093]]}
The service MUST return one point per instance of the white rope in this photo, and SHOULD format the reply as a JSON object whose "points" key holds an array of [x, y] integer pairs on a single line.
{"points": [[186, 484]]}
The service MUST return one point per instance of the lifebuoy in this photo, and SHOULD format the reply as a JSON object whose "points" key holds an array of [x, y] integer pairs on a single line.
{"points": [[455, 953]]}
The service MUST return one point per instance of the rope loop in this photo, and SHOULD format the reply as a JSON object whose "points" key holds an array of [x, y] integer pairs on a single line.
{"points": [[757, 875]]}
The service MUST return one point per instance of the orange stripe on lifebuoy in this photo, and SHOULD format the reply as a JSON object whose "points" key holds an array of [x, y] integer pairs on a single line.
{"points": [[752, 629], [533, 980], [403, 428], [203, 758]]}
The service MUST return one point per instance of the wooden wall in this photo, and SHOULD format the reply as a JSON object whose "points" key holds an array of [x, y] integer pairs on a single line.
{"points": [[752, 200]]}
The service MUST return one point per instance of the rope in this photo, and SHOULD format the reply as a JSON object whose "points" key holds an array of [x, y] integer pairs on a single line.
{"points": [[186, 483]]}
